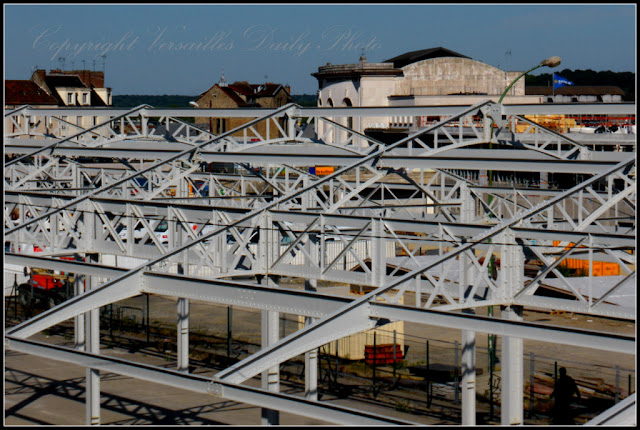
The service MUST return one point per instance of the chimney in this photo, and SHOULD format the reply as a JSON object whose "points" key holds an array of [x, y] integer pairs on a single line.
{"points": [[287, 89], [38, 77], [38, 74]]}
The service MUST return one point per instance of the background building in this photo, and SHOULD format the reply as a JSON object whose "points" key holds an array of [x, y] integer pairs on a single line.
{"points": [[74, 87], [578, 93], [20, 92], [428, 77], [242, 95], [58, 88]]}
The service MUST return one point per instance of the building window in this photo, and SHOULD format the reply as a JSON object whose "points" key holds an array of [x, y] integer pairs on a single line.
{"points": [[85, 99], [221, 125], [70, 98], [574, 99], [347, 103], [550, 99]]}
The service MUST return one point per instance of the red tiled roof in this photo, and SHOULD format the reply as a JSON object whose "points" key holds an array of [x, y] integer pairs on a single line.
{"points": [[249, 90], [19, 92], [259, 90], [236, 98]]}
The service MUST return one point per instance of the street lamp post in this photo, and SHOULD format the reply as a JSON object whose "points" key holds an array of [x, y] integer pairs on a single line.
{"points": [[549, 62]]}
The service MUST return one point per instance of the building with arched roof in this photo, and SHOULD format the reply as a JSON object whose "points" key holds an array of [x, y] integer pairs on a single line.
{"points": [[428, 77]]}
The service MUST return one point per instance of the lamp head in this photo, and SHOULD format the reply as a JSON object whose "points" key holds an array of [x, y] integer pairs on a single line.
{"points": [[551, 62]]}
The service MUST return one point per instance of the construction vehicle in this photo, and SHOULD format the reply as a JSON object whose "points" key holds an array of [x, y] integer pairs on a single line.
{"points": [[44, 289]]}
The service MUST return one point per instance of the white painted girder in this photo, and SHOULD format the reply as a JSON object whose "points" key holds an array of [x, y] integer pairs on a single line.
{"points": [[201, 384], [324, 329], [301, 342], [124, 288]]}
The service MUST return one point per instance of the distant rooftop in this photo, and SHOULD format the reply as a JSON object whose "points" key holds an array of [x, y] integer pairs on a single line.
{"points": [[262, 90], [64, 80], [357, 69], [392, 66], [423, 54], [19, 92]]}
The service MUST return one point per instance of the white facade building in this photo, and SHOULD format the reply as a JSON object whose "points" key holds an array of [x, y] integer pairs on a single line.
{"points": [[428, 77]]}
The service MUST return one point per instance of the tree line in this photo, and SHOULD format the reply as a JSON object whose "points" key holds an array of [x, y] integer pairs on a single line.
{"points": [[179, 101], [626, 81]]}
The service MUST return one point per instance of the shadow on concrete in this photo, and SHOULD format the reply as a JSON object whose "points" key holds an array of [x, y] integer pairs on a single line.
{"points": [[73, 389]]}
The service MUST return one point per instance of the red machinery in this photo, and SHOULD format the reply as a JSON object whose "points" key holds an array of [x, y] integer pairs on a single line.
{"points": [[45, 288]]}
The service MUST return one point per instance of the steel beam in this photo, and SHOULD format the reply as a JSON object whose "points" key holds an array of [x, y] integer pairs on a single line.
{"points": [[92, 320], [526, 330], [468, 381], [512, 389], [93, 299], [203, 384], [183, 334], [621, 414], [522, 221], [319, 305], [509, 109]]}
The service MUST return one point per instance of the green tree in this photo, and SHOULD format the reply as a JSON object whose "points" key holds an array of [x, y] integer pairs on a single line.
{"points": [[624, 80]]}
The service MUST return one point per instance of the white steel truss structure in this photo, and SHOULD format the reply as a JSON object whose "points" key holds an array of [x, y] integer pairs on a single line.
{"points": [[199, 234]]}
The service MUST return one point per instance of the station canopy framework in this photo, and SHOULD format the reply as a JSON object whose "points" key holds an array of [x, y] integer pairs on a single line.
{"points": [[269, 216]]}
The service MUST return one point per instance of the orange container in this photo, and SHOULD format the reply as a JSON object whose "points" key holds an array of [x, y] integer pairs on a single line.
{"points": [[599, 268]]}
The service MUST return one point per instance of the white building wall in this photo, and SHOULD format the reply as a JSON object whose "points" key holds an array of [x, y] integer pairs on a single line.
{"points": [[450, 75], [375, 92], [463, 100], [337, 91]]}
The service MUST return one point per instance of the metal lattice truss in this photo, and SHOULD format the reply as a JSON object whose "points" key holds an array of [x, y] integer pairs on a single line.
{"points": [[366, 224]]}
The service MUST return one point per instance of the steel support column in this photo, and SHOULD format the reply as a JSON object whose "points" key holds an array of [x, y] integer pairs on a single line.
{"points": [[182, 330], [468, 382], [311, 357], [79, 335], [512, 371], [311, 368], [183, 335], [271, 376], [92, 331]]}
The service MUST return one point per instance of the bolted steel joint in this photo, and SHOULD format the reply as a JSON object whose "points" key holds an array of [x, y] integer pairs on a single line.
{"points": [[495, 112], [215, 389], [293, 112]]}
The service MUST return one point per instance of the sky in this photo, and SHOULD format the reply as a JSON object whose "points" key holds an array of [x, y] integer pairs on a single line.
{"points": [[185, 48]]}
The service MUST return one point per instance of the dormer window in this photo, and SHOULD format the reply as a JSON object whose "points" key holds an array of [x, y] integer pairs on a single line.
{"points": [[85, 100], [70, 98]]}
